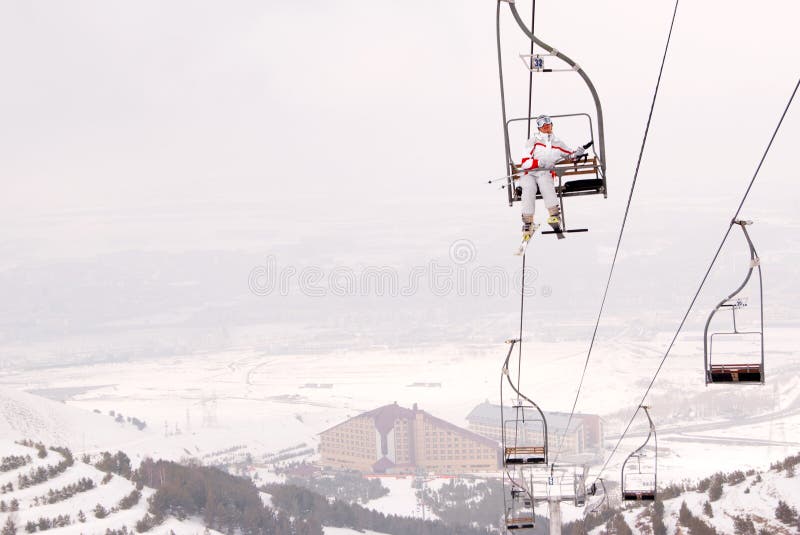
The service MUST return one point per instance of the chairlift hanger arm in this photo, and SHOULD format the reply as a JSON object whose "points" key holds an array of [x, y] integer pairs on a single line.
{"points": [[511, 343], [651, 431]]}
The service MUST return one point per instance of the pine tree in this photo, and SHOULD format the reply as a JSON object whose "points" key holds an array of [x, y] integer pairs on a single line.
{"points": [[715, 490], [685, 516], [658, 519], [707, 510], [786, 513], [81, 516], [619, 525], [9, 528], [100, 511], [14, 506], [743, 526]]}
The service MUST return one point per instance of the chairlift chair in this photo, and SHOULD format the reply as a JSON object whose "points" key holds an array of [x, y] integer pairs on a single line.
{"points": [[524, 436], [524, 432], [568, 483], [737, 373], [593, 490], [639, 485], [579, 487], [588, 166], [520, 509], [639, 480], [592, 168]]}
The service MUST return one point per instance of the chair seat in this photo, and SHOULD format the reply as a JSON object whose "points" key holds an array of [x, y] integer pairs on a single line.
{"points": [[584, 184], [735, 373], [520, 523], [648, 496]]}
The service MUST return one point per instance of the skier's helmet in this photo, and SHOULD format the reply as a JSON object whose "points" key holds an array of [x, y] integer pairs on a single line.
{"points": [[543, 120]]}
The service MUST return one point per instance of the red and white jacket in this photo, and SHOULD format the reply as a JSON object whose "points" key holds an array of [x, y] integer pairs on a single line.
{"points": [[545, 151]]}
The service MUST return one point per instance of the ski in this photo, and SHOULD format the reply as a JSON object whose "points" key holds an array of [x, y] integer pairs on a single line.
{"points": [[526, 238], [555, 224], [523, 247]]}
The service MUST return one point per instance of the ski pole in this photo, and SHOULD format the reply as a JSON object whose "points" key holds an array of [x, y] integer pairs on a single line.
{"points": [[504, 178], [586, 146]]}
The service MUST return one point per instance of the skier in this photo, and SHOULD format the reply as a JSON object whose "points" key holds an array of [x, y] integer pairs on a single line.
{"points": [[538, 173]]}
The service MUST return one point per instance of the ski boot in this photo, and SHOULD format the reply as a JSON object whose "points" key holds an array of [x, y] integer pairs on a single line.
{"points": [[528, 228], [555, 222]]}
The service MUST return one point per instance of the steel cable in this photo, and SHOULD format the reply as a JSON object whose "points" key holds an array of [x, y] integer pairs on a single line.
{"points": [[705, 277], [621, 232]]}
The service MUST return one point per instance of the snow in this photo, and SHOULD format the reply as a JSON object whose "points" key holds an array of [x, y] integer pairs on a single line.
{"points": [[347, 531], [23, 415], [107, 495], [760, 502], [401, 499], [190, 526]]}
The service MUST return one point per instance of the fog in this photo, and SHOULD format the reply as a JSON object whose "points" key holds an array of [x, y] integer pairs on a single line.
{"points": [[153, 155]]}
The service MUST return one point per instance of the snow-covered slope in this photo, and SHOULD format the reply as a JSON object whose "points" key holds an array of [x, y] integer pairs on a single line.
{"points": [[347, 531], [31, 505], [26, 416], [755, 498]]}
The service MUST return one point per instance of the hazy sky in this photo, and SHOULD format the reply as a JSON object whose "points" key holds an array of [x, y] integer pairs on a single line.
{"points": [[175, 126], [114, 104]]}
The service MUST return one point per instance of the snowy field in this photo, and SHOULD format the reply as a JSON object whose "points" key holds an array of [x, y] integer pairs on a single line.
{"points": [[201, 403], [346, 531]]}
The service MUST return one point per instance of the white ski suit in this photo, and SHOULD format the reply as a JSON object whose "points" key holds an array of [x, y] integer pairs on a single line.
{"points": [[546, 150]]}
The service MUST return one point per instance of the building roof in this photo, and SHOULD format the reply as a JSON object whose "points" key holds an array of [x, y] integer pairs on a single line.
{"points": [[385, 417], [489, 413]]}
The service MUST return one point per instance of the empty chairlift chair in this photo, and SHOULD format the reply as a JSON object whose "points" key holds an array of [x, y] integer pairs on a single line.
{"points": [[747, 369], [579, 486], [524, 427], [520, 514], [568, 483], [524, 436], [593, 491], [524, 440], [639, 471]]}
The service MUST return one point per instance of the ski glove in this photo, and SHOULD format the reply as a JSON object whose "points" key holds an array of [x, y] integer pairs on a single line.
{"points": [[577, 153]]}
